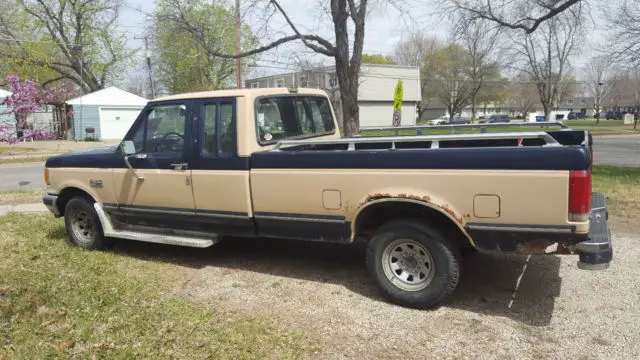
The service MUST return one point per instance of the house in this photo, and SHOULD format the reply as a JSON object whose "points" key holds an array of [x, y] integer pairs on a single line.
{"points": [[375, 93], [110, 112]]}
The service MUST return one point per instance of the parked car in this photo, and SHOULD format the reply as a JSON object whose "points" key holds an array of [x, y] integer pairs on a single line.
{"points": [[614, 115], [576, 115], [460, 120], [444, 119], [198, 167], [497, 119]]}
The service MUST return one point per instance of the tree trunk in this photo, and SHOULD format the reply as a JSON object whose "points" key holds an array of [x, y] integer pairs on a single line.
{"points": [[547, 112], [473, 109], [21, 122]]}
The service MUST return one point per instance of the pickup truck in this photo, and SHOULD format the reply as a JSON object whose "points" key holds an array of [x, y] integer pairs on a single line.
{"points": [[271, 163]]}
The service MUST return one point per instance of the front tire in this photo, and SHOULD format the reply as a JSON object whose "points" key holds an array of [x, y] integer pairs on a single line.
{"points": [[413, 264], [82, 224]]}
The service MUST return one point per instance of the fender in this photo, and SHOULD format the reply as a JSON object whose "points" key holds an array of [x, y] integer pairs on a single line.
{"points": [[447, 211]]}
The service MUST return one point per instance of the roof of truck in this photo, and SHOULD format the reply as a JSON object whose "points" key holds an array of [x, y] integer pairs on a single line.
{"points": [[240, 92]]}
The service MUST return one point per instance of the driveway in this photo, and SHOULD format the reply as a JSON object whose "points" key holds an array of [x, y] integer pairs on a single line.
{"points": [[620, 150]]}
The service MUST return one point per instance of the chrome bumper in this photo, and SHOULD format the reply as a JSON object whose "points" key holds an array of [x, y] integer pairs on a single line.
{"points": [[51, 202]]}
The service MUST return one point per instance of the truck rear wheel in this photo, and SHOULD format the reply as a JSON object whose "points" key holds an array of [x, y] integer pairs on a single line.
{"points": [[83, 225], [413, 264]]}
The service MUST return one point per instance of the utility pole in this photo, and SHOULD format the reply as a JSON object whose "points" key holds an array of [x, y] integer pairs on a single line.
{"points": [[238, 49], [148, 55]]}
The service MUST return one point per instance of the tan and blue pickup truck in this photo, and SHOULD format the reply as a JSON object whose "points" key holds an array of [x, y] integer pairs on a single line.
{"points": [[196, 167]]}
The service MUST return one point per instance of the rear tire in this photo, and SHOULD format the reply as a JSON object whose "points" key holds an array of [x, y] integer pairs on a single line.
{"points": [[82, 224], [413, 264]]}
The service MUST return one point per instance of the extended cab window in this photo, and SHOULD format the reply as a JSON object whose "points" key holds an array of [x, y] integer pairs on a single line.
{"points": [[161, 130], [226, 124], [290, 117]]}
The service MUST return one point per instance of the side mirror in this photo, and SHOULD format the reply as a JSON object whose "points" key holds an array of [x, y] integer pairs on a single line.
{"points": [[129, 150], [128, 147]]}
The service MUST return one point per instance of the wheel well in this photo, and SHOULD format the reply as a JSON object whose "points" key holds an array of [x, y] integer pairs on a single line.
{"points": [[68, 194], [372, 217]]}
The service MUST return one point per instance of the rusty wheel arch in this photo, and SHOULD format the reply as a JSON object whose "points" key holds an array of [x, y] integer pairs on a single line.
{"points": [[380, 209]]}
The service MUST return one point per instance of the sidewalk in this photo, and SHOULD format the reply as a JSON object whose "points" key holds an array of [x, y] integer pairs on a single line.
{"points": [[37, 208]]}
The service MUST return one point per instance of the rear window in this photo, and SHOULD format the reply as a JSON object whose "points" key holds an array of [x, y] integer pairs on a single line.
{"points": [[292, 117]]}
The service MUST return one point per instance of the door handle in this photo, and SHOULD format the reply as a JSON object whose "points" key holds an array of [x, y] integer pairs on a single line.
{"points": [[179, 166]]}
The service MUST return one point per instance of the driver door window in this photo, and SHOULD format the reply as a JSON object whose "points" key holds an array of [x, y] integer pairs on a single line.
{"points": [[162, 130]]}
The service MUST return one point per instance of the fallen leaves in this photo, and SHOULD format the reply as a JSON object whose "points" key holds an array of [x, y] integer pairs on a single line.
{"points": [[103, 346]]}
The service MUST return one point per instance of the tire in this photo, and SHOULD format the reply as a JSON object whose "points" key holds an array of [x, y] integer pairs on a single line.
{"points": [[82, 224], [424, 277]]}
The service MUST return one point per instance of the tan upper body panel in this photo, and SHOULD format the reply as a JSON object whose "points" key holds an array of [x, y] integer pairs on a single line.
{"points": [[523, 197]]}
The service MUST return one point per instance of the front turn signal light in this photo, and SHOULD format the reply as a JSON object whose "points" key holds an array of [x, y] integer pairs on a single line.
{"points": [[46, 176]]}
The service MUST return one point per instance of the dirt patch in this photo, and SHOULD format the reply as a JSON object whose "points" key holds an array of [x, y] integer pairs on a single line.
{"points": [[556, 311]]}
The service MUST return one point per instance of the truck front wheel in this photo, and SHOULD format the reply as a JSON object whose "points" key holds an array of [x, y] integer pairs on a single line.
{"points": [[83, 225], [413, 264]]}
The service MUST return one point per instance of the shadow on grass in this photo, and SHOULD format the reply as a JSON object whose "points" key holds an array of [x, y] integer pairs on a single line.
{"points": [[486, 287]]}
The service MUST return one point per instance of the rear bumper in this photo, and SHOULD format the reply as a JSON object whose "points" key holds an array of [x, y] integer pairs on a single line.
{"points": [[51, 202], [596, 252]]}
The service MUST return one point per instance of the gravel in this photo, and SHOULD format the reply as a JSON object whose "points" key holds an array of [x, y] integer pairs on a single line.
{"points": [[324, 291]]}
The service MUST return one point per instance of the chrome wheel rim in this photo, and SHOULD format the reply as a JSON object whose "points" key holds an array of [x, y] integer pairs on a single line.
{"points": [[82, 226], [408, 265]]}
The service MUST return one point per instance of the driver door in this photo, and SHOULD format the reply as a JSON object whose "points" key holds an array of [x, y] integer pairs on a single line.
{"points": [[157, 191]]}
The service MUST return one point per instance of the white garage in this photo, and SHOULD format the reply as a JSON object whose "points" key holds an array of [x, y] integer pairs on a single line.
{"points": [[110, 112]]}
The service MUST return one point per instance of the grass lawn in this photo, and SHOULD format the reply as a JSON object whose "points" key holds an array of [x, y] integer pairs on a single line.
{"points": [[621, 185], [57, 301], [23, 196], [16, 150]]}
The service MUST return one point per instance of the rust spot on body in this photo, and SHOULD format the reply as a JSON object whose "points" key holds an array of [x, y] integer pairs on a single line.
{"points": [[538, 246], [425, 198]]}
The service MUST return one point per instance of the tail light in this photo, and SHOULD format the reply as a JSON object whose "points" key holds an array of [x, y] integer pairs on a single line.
{"points": [[579, 195], [46, 176]]}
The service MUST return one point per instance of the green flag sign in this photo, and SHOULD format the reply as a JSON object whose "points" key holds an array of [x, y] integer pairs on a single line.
{"points": [[397, 104]]}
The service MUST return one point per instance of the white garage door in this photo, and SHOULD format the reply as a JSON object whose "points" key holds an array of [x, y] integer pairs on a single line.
{"points": [[114, 123]]}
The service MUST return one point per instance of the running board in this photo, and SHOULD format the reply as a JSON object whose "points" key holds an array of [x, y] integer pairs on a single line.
{"points": [[189, 241]]}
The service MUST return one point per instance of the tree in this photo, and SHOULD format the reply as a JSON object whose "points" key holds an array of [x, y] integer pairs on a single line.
{"points": [[524, 15], [599, 73], [347, 58], [523, 94], [184, 66], [22, 101], [544, 56], [67, 39], [28, 96], [452, 83], [419, 50], [377, 59], [626, 37], [479, 40]]}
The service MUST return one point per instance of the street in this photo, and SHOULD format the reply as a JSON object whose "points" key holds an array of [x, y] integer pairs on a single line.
{"points": [[620, 150], [22, 176]]}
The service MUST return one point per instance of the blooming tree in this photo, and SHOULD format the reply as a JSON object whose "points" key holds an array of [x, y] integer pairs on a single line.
{"points": [[28, 96], [23, 100]]}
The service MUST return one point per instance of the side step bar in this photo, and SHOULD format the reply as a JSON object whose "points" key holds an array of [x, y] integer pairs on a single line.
{"points": [[189, 241]]}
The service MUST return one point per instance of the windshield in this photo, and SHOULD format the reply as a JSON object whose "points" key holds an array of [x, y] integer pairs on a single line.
{"points": [[292, 117]]}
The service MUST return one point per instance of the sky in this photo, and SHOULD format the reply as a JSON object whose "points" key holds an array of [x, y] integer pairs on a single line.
{"points": [[385, 26]]}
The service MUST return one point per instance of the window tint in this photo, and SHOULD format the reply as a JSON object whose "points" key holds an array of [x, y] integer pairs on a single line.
{"points": [[210, 140], [222, 113], [286, 117], [161, 131], [226, 128]]}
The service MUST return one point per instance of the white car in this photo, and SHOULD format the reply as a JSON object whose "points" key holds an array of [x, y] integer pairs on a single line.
{"points": [[444, 119]]}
